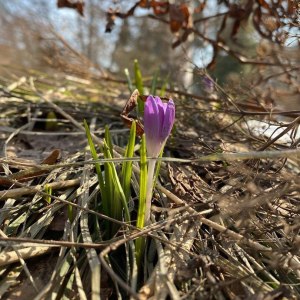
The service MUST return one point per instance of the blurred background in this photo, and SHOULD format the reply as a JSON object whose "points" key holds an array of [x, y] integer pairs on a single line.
{"points": [[250, 46]]}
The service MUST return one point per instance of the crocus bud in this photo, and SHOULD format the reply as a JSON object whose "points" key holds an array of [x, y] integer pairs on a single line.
{"points": [[158, 122]]}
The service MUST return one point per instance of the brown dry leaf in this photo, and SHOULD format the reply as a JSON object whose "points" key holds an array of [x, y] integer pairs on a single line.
{"points": [[264, 4], [292, 7], [52, 157], [179, 16], [237, 12], [159, 8], [144, 3], [187, 184], [77, 5]]}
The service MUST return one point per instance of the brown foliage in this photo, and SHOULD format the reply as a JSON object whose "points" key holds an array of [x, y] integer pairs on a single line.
{"points": [[271, 20], [77, 5]]}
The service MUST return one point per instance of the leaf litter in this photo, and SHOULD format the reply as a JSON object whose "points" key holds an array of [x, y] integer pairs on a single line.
{"points": [[220, 229]]}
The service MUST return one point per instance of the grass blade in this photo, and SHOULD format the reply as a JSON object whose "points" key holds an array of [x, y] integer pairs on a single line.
{"points": [[118, 187], [114, 205], [48, 191], [164, 87], [127, 166], [108, 140], [105, 199], [139, 85], [115, 211], [154, 83], [129, 82]]}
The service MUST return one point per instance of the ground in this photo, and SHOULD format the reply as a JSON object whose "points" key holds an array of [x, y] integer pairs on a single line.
{"points": [[220, 228]]}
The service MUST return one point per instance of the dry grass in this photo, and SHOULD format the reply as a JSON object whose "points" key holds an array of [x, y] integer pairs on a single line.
{"points": [[220, 230]]}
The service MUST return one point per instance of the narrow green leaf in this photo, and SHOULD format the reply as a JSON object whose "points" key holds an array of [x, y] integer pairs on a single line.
{"points": [[70, 212], [118, 187], [143, 184], [48, 191], [139, 85], [164, 87], [105, 199], [138, 77], [127, 166], [129, 82], [154, 83], [114, 205], [108, 140]]}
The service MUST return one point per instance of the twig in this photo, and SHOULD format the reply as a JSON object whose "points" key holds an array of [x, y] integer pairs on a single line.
{"points": [[19, 192], [272, 141], [7, 258], [287, 260], [290, 153]]}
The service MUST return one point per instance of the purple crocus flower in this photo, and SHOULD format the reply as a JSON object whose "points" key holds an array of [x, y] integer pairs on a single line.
{"points": [[158, 122], [209, 84]]}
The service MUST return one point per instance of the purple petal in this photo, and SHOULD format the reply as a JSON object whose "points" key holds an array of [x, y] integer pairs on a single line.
{"points": [[158, 122], [152, 126], [151, 117], [162, 109], [169, 119], [161, 104]]}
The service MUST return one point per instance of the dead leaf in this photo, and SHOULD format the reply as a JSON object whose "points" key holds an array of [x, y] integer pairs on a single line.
{"points": [[179, 16], [52, 157], [187, 184], [237, 12], [292, 7], [77, 5], [159, 8], [144, 3], [264, 4]]}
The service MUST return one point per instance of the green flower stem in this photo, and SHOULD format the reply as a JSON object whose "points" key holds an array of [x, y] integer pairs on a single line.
{"points": [[140, 223], [150, 182]]}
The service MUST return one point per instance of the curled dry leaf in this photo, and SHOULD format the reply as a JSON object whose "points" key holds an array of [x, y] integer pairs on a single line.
{"points": [[77, 5], [145, 3], [179, 17], [159, 8], [264, 4]]}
